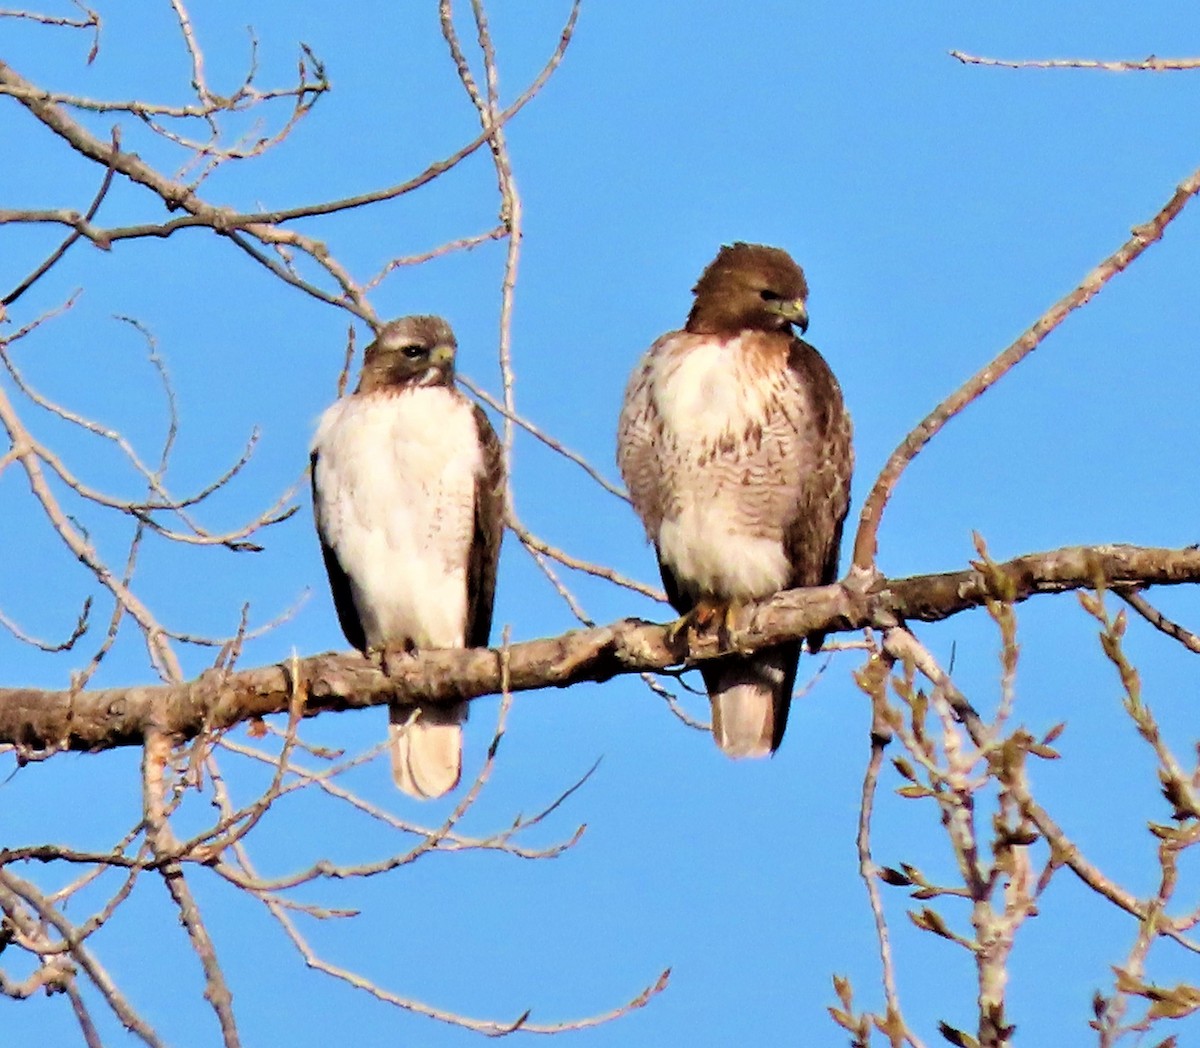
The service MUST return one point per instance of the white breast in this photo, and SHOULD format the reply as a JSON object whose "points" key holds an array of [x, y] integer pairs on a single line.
{"points": [[395, 479], [718, 533], [709, 554], [703, 394]]}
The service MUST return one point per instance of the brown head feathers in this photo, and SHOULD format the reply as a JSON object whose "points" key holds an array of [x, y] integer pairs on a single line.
{"points": [[412, 350], [749, 287]]}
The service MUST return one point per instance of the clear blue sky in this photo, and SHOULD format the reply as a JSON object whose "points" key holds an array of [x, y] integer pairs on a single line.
{"points": [[938, 209]]}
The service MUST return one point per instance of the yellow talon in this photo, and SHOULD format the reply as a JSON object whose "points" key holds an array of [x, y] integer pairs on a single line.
{"points": [[707, 611], [725, 629]]}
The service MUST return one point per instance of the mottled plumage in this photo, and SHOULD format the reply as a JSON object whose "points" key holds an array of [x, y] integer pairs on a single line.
{"points": [[408, 492], [735, 445]]}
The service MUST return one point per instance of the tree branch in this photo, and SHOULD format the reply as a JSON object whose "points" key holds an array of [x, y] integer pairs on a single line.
{"points": [[38, 722], [979, 383], [1151, 63]]}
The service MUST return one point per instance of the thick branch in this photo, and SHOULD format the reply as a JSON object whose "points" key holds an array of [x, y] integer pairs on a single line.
{"points": [[39, 721]]}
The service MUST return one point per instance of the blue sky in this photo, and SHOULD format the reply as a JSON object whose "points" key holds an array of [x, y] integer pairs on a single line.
{"points": [[938, 210]]}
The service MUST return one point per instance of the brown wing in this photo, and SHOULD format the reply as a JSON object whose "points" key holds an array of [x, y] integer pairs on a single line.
{"points": [[489, 532], [813, 537], [677, 596], [639, 444], [339, 581], [639, 457]]}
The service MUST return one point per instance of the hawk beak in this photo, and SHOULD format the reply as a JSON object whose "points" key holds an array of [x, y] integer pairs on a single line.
{"points": [[441, 356], [795, 312]]}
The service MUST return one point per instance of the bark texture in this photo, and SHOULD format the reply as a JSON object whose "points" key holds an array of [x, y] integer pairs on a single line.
{"points": [[41, 720]]}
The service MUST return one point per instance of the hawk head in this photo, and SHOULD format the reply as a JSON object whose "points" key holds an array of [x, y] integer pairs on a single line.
{"points": [[409, 351], [749, 286]]}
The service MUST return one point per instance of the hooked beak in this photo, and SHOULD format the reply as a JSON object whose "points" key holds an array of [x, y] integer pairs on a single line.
{"points": [[794, 312], [441, 367]]}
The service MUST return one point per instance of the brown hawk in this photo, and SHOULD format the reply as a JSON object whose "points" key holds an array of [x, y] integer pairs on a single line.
{"points": [[734, 443], [408, 492]]}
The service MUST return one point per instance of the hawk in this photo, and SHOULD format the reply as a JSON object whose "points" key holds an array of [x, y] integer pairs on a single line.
{"points": [[734, 443], [408, 493]]}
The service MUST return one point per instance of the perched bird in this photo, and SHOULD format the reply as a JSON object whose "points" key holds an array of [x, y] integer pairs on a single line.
{"points": [[408, 492], [734, 443]]}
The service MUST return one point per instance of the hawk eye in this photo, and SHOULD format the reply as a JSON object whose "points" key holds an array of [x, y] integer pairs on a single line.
{"points": [[413, 351], [767, 295]]}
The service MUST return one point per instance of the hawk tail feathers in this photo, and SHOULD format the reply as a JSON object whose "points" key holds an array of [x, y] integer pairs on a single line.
{"points": [[750, 698], [426, 748]]}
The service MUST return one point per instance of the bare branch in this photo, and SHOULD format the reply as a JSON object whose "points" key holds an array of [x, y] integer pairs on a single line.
{"points": [[61, 250], [461, 244], [545, 438], [156, 757], [24, 445], [1157, 619], [15, 895], [873, 680], [90, 20], [1143, 236], [80, 628], [1151, 63], [41, 103], [537, 546], [40, 721]]}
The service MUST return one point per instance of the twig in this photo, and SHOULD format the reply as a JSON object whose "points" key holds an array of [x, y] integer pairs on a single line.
{"points": [[156, 756], [1143, 236], [1151, 63], [461, 244], [13, 891], [537, 545], [61, 250], [80, 628], [160, 651], [1157, 619], [545, 438], [91, 20], [874, 681]]}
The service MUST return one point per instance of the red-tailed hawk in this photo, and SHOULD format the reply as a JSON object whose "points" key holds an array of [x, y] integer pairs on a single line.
{"points": [[408, 491], [735, 445]]}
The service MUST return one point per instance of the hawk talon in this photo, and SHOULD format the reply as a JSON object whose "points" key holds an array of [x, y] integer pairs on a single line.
{"points": [[700, 619], [695, 620], [727, 626], [674, 629], [392, 660]]}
